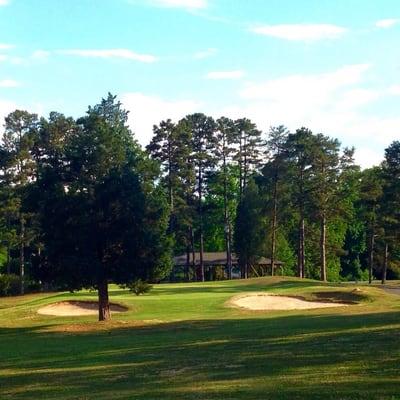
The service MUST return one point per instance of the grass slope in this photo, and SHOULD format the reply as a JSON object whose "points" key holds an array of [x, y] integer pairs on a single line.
{"points": [[182, 342]]}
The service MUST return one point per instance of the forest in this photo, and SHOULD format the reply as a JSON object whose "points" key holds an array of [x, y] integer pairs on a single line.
{"points": [[83, 204]]}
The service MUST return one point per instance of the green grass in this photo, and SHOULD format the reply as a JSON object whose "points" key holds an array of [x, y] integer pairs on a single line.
{"points": [[182, 342]]}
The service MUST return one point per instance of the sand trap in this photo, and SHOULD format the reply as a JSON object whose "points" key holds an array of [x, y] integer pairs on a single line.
{"points": [[266, 301], [76, 308]]}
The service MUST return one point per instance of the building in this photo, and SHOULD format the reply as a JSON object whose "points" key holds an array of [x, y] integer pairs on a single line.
{"points": [[215, 266]]}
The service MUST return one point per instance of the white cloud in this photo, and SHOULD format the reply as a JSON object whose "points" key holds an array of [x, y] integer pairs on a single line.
{"points": [[9, 83], [5, 46], [40, 55], [110, 53], [6, 107], [331, 103], [394, 90], [237, 74], [146, 111], [186, 4], [387, 23], [205, 53], [305, 88], [301, 32], [366, 157], [4, 2]]}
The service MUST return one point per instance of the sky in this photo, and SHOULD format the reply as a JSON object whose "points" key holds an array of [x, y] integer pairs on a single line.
{"points": [[331, 66]]}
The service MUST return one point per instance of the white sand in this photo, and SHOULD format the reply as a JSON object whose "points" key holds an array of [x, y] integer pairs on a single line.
{"points": [[266, 301], [76, 308]]}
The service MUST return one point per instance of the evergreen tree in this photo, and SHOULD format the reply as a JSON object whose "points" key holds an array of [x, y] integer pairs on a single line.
{"points": [[203, 143], [19, 172], [101, 220], [249, 234], [324, 181], [273, 173], [370, 197], [298, 155], [390, 214], [225, 138], [248, 145]]}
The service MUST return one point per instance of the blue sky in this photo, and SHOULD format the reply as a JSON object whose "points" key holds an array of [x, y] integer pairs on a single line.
{"points": [[333, 66]]}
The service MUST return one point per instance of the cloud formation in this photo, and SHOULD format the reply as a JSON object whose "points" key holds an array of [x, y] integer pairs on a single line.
{"points": [[110, 53], [9, 83], [217, 75], [146, 111], [387, 23], [186, 4], [5, 46], [301, 32], [205, 53]]}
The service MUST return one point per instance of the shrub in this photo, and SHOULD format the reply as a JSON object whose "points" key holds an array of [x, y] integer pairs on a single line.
{"points": [[138, 287], [10, 285]]}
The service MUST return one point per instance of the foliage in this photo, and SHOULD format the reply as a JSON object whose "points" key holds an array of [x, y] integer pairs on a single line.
{"points": [[9, 284], [138, 287]]}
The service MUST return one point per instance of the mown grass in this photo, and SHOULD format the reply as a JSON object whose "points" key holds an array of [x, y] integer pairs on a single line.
{"points": [[182, 342]]}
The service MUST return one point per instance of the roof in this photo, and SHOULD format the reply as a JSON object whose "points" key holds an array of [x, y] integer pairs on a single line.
{"points": [[216, 258]]}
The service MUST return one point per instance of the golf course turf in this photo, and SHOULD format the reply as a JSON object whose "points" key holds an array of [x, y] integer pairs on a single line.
{"points": [[183, 341]]}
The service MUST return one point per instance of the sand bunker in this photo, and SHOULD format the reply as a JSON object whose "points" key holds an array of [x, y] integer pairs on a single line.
{"points": [[266, 301], [76, 308]]}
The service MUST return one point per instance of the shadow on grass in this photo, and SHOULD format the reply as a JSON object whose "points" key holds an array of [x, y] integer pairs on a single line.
{"points": [[286, 357]]}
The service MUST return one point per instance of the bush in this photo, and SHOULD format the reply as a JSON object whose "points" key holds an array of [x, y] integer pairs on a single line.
{"points": [[10, 285], [138, 287]]}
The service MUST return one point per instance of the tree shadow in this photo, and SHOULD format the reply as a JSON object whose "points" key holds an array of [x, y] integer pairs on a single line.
{"points": [[285, 357]]}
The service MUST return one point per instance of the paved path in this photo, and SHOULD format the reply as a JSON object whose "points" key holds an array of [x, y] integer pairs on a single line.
{"points": [[391, 289]]}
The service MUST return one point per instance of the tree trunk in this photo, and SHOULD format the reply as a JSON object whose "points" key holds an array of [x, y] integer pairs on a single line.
{"points": [[22, 256], [193, 252], [245, 163], [201, 239], [201, 267], [385, 263], [8, 249], [187, 266], [273, 227], [226, 222], [240, 162], [170, 189], [323, 248], [301, 246], [371, 255], [8, 259], [104, 305], [301, 252]]}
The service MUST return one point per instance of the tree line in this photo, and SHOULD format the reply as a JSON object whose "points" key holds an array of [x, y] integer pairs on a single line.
{"points": [[82, 204]]}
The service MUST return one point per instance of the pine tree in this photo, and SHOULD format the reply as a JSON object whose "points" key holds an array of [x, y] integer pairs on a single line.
{"points": [[298, 155], [274, 172], [20, 128], [225, 137], [203, 144], [101, 219], [249, 233], [370, 197], [324, 188], [248, 155]]}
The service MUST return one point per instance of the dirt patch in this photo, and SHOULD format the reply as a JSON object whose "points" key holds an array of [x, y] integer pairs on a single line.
{"points": [[76, 308], [267, 301]]}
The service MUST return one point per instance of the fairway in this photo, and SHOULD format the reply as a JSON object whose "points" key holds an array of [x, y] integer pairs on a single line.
{"points": [[182, 341]]}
